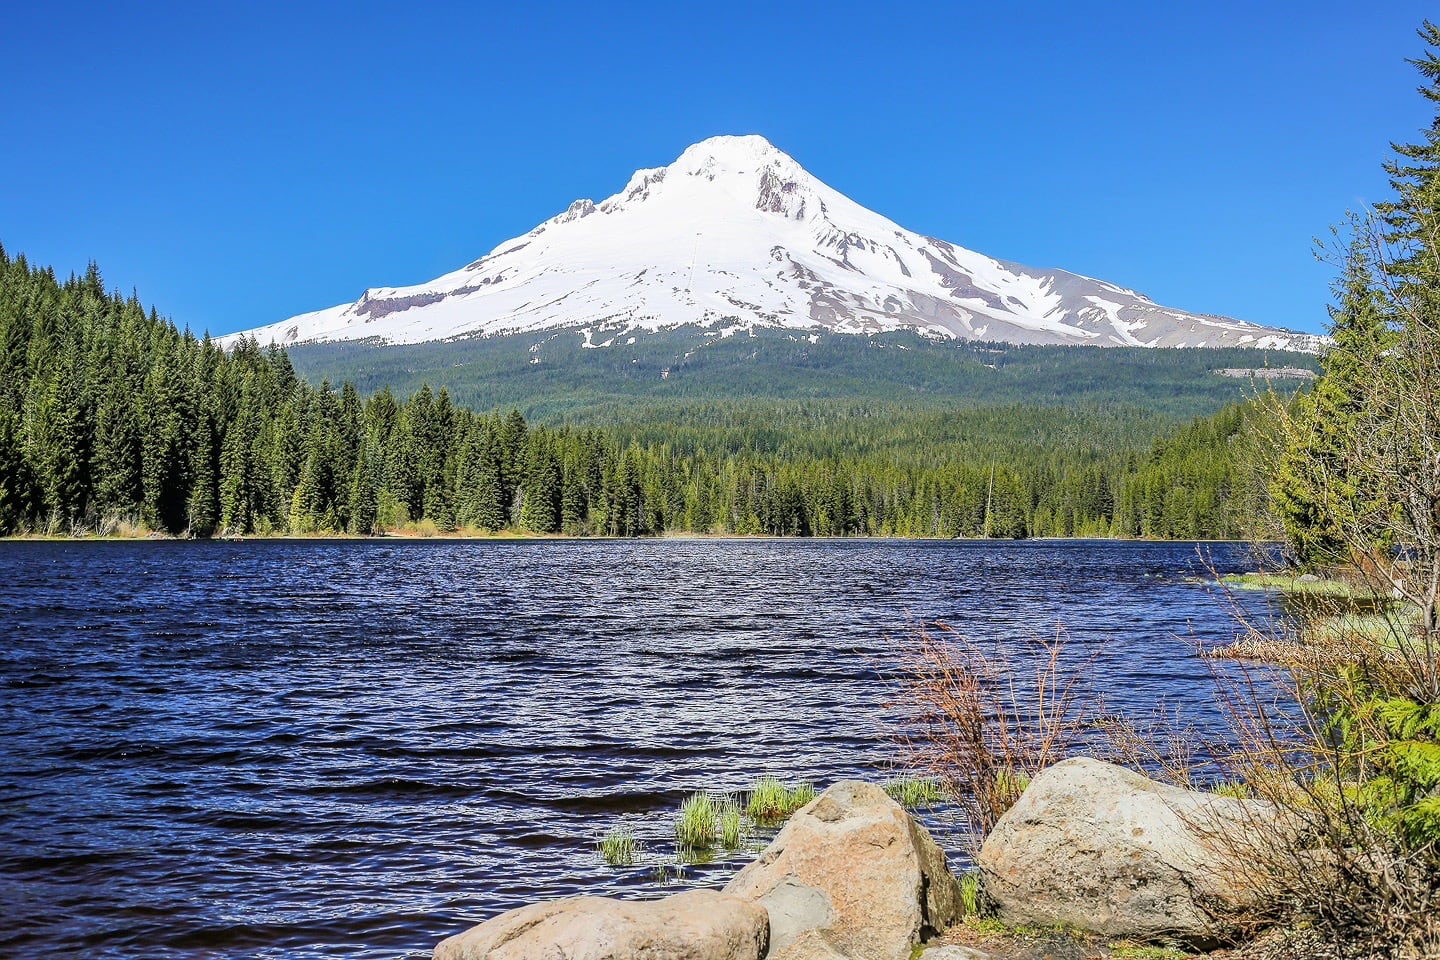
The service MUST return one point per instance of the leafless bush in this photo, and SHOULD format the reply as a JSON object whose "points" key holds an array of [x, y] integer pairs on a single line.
{"points": [[984, 718]]}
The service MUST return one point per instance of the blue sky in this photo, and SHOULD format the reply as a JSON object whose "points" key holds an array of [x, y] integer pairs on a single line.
{"points": [[241, 163]]}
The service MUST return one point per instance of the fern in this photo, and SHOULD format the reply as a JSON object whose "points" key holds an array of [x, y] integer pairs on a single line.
{"points": [[1405, 719], [1415, 763]]}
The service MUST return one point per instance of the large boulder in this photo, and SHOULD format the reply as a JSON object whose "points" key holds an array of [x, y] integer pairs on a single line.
{"points": [[1101, 848], [851, 875], [696, 925]]}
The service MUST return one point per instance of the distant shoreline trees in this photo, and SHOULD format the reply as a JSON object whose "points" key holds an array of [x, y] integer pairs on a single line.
{"points": [[112, 420]]}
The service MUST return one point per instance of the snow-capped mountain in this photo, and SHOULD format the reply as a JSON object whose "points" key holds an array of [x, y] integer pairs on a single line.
{"points": [[734, 235]]}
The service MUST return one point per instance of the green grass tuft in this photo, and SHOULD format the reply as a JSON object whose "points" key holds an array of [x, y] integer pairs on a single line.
{"points": [[696, 825], [914, 793], [771, 801], [619, 847], [1011, 783], [1238, 789], [733, 829], [972, 894]]}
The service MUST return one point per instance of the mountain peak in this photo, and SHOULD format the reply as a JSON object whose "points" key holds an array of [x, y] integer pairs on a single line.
{"points": [[734, 234], [731, 152]]}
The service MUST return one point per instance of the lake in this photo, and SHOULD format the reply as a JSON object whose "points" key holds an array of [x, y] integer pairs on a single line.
{"points": [[355, 748]]}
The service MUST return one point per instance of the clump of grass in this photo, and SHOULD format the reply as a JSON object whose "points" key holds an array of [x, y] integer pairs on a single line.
{"points": [[771, 801], [1236, 789], [664, 874], [972, 894], [697, 822], [768, 800], [619, 847], [733, 832], [1293, 583], [1009, 784], [913, 793]]}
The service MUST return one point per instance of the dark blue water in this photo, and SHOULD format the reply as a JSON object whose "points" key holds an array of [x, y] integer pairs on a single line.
{"points": [[307, 749]]}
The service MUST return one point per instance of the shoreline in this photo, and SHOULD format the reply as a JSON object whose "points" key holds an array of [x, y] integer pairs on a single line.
{"points": [[566, 537]]}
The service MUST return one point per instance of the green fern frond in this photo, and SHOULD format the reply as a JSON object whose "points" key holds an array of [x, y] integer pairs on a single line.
{"points": [[1414, 762]]}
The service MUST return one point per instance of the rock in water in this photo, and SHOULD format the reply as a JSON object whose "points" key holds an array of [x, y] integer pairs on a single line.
{"points": [[851, 875], [696, 925], [1101, 848]]}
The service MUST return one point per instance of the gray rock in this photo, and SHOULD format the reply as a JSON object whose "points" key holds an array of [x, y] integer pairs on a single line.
{"points": [[696, 925], [955, 952], [851, 875], [810, 945], [1097, 847]]}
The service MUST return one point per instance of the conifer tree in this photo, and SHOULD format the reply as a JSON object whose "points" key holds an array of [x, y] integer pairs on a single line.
{"points": [[1317, 475]]}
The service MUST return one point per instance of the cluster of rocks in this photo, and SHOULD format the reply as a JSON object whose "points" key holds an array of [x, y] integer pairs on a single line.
{"points": [[853, 877]]}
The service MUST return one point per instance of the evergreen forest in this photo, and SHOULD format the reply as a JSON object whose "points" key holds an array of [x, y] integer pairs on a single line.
{"points": [[113, 420]]}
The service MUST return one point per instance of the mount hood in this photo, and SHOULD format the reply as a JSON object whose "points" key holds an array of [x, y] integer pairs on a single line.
{"points": [[736, 235]]}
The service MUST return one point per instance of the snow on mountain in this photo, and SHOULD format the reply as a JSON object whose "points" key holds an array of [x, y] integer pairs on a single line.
{"points": [[735, 234]]}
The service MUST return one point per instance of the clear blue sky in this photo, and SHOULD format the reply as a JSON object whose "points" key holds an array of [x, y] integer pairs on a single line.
{"points": [[240, 163]]}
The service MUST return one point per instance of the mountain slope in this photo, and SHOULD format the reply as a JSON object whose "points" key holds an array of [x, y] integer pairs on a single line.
{"points": [[667, 376], [735, 235]]}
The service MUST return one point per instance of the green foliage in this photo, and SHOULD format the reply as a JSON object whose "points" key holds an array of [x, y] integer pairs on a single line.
{"points": [[692, 368], [732, 827], [698, 821], [771, 801], [1010, 784], [972, 894], [1317, 480], [914, 793], [110, 417], [1143, 951], [1405, 719], [620, 847]]}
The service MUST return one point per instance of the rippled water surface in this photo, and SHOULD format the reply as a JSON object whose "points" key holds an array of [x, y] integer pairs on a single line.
{"points": [[307, 749]]}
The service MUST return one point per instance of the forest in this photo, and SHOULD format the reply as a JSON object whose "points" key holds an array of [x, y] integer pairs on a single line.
{"points": [[674, 373], [115, 421]]}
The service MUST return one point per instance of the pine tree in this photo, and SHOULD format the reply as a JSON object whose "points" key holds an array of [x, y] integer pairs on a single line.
{"points": [[541, 494], [1317, 477]]}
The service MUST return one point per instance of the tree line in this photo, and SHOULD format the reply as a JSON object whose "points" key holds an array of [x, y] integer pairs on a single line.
{"points": [[112, 419]]}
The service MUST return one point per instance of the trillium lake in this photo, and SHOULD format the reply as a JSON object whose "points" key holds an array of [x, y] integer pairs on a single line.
{"points": [[356, 748]]}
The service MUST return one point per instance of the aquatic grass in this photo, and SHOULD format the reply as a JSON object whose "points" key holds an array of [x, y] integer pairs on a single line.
{"points": [[733, 832], [1304, 584], [620, 847], [914, 793], [697, 822], [1383, 629], [771, 801]]}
